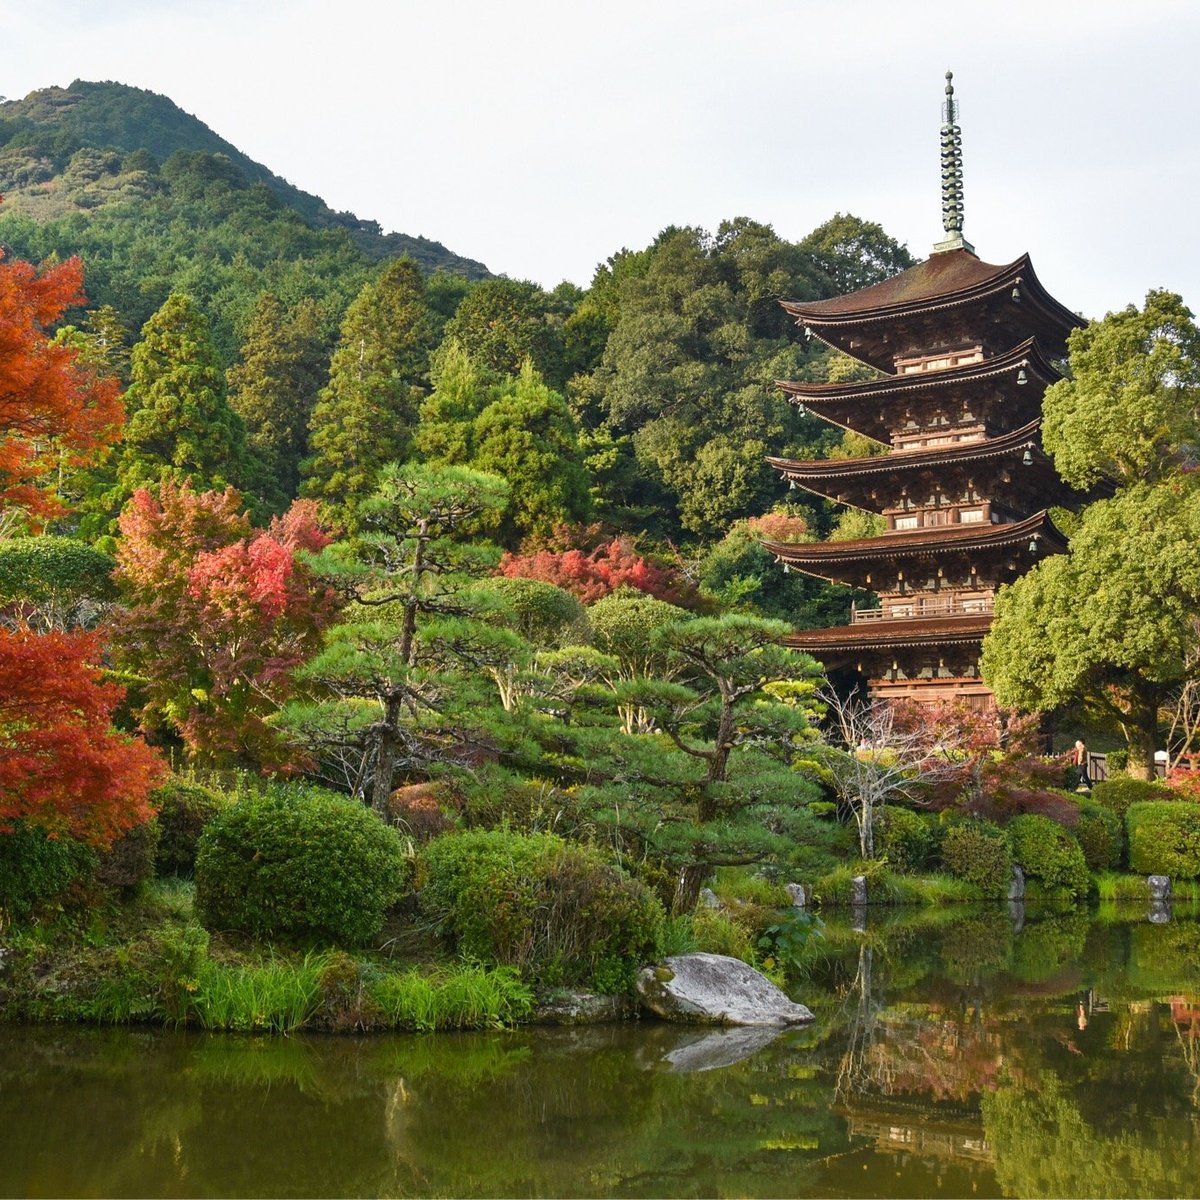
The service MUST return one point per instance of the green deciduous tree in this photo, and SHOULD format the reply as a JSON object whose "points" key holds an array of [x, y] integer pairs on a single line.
{"points": [[1112, 624], [682, 409], [502, 322], [1131, 409], [852, 253]]}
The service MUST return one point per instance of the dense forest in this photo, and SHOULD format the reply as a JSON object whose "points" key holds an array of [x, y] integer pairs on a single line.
{"points": [[281, 498]]}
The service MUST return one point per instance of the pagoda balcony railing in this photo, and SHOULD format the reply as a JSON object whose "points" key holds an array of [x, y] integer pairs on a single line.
{"points": [[903, 610]]}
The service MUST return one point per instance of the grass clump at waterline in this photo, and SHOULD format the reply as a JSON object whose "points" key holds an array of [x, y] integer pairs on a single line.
{"points": [[458, 997]]}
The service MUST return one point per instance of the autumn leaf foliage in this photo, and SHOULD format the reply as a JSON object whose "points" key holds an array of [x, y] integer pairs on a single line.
{"points": [[53, 410], [218, 615], [62, 765], [590, 575]]}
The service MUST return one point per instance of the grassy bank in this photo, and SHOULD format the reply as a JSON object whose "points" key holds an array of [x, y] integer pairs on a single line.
{"points": [[151, 961]]}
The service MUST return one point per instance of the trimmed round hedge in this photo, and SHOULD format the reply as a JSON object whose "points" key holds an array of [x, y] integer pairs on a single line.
{"points": [[300, 863], [978, 851], [910, 840], [1049, 854], [1118, 792], [1164, 838], [558, 911], [1100, 833]]}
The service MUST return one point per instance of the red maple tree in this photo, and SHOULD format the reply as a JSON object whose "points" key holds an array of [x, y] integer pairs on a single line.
{"points": [[62, 765], [218, 616], [591, 574], [53, 410]]}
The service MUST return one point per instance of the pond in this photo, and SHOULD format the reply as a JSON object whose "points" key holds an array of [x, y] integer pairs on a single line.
{"points": [[977, 1053]]}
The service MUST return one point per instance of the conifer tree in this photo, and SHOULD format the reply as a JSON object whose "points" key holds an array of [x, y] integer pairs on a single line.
{"points": [[528, 437], [365, 417], [445, 433], [275, 385], [180, 423]]}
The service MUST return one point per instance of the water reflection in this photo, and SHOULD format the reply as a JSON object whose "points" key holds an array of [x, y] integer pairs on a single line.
{"points": [[1054, 1054]]}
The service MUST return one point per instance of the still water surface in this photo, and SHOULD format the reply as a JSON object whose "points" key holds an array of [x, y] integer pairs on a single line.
{"points": [[1000, 1054]]}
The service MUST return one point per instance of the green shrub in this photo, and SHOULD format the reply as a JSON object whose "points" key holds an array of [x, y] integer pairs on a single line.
{"points": [[183, 811], [978, 851], [1049, 854], [558, 911], [1164, 838], [130, 859], [1118, 792], [1116, 760], [1100, 833], [34, 867], [909, 840], [301, 863]]}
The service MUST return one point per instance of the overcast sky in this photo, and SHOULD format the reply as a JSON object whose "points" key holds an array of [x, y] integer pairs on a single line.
{"points": [[540, 136]]}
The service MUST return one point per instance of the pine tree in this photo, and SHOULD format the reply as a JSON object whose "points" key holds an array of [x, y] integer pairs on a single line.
{"points": [[274, 388], [365, 417]]}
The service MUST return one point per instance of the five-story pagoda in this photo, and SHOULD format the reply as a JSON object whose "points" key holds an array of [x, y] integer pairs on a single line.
{"points": [[966, 350]]}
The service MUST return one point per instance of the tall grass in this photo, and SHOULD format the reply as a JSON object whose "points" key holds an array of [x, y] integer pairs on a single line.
{"points": [[463, 997], [275, 997]]}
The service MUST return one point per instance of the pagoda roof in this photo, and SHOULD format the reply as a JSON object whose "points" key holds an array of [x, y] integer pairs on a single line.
{"points": [[1009, 362], [874, 322], [837, 561], [810, 473], [865, 406], [956, 629]]}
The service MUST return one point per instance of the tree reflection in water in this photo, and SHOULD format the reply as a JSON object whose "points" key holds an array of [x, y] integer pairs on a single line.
{"points": [[953, 1054]]}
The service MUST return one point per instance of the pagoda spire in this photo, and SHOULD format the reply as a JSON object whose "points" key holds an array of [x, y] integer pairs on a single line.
{"points": [[952, 185]]}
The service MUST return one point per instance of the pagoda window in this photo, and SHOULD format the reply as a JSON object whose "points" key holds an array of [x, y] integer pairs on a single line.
{"points": [[900, 610], [907, 522], [968, 516]]}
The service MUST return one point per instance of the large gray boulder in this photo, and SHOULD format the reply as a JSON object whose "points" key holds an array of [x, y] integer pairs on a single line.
{"points": [[711, 989]]}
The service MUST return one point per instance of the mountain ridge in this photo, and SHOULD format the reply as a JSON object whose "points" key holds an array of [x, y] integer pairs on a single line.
{"points": [[42, 133]]}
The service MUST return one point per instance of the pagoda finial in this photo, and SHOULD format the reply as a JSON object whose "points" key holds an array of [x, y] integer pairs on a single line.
{"points": [[952, 186]]}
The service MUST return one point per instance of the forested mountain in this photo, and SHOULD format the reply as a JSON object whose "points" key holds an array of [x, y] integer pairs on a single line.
{"points": [[43, 173], [270, 344]]}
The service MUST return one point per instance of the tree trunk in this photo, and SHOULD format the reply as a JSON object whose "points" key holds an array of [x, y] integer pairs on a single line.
{"points": [[386, 756], [866, 831], [687, 889], [1142, 739]]}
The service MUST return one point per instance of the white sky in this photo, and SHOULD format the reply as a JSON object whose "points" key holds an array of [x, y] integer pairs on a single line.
{"points": [[540, 136]]}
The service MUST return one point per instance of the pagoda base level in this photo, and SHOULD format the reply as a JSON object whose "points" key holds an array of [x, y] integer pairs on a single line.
{"points": [[970, 690]]}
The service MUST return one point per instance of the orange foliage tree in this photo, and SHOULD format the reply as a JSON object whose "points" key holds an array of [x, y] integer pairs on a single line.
{"points": [[54, 411], [62, 765]]}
